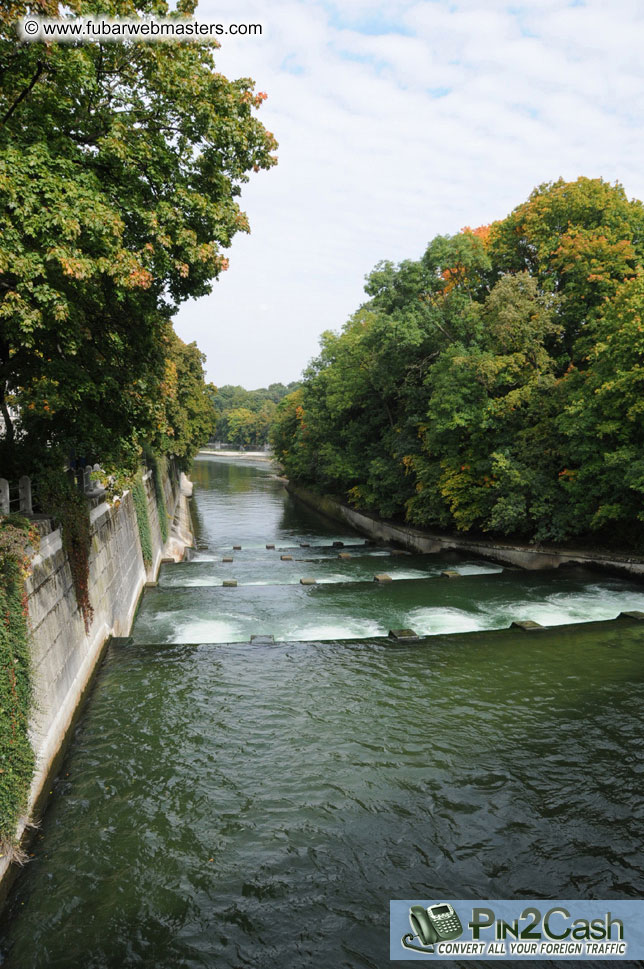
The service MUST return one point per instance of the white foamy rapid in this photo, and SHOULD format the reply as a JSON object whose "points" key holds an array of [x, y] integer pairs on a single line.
{"points": [[596, 603], [431, 621], [593, 604], [346, 629], [210, 631], [471, 568]]}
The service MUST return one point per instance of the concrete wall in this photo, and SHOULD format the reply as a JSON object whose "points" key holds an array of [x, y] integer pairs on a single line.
{"points": [[418, 540], [64, 656]]}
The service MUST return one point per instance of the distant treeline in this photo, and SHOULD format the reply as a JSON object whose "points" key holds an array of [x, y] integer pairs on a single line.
{"points": [[244, 416], [497, 383]]}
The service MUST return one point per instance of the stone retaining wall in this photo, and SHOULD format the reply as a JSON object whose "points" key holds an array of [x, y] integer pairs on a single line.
{"points": [[64, 656], [418, 540]]}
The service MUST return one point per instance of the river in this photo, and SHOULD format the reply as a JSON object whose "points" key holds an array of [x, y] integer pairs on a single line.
{"points": [[232, 805]]}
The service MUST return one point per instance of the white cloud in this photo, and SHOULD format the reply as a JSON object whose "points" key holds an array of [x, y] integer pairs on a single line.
{"points": [[396, 123]]}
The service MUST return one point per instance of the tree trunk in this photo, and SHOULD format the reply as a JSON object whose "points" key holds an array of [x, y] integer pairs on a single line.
{"points": [[8, 423]]}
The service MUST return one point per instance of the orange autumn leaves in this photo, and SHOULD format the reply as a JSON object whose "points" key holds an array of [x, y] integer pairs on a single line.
{"points": [[456, 274]]}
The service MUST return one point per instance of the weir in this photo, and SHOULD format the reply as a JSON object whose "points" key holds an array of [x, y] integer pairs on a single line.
{"points": [[268, 564], [262, 766]]}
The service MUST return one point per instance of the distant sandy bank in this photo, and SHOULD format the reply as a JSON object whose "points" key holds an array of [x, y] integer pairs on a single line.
{"points": [[255, 455]]}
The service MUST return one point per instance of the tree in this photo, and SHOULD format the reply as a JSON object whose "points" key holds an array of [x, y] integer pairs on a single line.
{"points": [[603, 422], [486, 433], [495, 384], [286, 431], [242, 426], [185, 412], [578, 239], [120, 169], [261, 403]]}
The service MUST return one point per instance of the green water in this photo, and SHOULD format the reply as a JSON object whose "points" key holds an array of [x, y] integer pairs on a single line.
{"points": [[228, 805]]}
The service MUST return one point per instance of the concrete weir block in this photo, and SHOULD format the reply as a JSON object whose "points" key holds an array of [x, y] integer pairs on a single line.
{"points": [[230, 583], [404, 635], [262, 640], [528, 625], [382, 577], [227, 558], [286, 558], [451, 574], [338, 545], [305, 544], [308, 581], [631, 614]]}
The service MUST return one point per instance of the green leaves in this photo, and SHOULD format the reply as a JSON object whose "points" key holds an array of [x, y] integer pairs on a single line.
{"points": [[496, 384], [120, 171], [184, 412]]}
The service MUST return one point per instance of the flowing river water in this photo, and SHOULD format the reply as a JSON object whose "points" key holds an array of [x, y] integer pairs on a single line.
{"points": [[226, 804]]}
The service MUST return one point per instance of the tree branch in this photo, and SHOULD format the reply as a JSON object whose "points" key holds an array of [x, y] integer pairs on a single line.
{"points": [[39, 71]]}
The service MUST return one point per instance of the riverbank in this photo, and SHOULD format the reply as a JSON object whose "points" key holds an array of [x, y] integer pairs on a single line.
{"points": [[251, 455], [509, 553], [64, 655]]}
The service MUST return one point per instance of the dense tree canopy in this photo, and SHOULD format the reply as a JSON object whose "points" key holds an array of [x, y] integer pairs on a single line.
{"points": [[244, 417], [120, 170], [185, 411], [495, 384]]}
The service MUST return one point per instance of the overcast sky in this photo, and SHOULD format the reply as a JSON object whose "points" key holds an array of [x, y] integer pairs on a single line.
{"points": [[397, 122]]}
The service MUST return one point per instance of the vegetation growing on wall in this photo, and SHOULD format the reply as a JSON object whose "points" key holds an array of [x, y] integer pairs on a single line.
{"points": [[497, 383], [142, 518], [69, 508], [16, 754]]}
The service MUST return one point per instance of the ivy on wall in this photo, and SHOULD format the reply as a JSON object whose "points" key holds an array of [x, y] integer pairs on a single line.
{"points": [[142, 518], [16, 753], [70, 509]]}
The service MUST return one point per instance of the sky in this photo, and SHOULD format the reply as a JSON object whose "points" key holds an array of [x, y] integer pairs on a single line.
{"points": [[397, 122]]}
